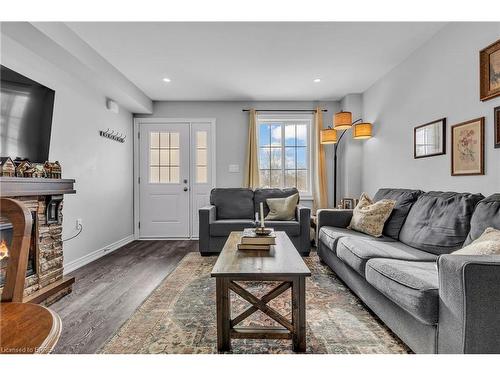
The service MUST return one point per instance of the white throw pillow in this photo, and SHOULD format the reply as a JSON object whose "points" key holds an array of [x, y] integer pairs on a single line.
{"points": [[487, 244], [369, 217]]}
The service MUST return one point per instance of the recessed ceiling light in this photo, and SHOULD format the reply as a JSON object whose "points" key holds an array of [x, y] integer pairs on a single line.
{"points": [[166, 79], [317, 80]]}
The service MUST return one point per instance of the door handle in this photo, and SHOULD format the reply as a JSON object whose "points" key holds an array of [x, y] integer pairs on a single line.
{"points": [[186, 189]]}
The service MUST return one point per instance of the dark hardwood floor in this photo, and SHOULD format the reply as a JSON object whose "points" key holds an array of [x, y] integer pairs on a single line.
{"points": [[108, 290]]}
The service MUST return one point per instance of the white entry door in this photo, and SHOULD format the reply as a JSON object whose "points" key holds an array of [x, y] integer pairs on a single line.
{"points": [[164, 180], [176, 170]]}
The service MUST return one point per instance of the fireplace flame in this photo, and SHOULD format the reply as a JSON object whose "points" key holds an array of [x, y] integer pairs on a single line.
{"points": [[4, 250]]}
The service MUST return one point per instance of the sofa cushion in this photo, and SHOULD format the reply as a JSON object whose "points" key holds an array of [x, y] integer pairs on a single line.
{"points": [[233, 203], [260, 195], [220, 228], [486, 214], [292, 227], [439, 222], [414, 286], [330, 235], [404, 200], [356, 252]]}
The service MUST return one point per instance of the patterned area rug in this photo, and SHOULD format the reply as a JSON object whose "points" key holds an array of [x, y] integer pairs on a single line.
{"points": [[179, 316]]}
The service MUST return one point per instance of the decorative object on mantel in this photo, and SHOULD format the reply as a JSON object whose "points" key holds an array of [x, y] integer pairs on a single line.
{"points": [[429, 139], [22, 165], [343, 121], [7, 167], [496, 119], [53, 170], [467, 148], [489, 60], [112, 135]]}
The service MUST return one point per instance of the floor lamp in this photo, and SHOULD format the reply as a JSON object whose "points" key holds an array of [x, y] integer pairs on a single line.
{"points": [[342, 121]]}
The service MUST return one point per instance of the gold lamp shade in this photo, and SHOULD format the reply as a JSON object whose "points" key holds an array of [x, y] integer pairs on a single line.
{"points": [[363, 130], [342, 120], [328, 136]]}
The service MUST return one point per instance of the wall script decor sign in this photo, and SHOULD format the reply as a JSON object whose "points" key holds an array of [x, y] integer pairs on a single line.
{"points": [[467, 148], [429, 139], [489, 59]]}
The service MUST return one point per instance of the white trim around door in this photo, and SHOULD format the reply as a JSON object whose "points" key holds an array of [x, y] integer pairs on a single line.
{"points": [[195, 124]]}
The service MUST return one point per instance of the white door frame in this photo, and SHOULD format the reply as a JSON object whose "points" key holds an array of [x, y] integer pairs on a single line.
{"points": [[149, 120]]}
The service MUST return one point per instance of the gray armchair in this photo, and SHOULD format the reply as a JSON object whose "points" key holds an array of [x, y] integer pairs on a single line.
{"points": [[234, 210]]}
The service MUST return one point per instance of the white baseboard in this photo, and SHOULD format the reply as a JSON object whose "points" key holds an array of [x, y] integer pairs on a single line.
{"points": [[80, 262]]}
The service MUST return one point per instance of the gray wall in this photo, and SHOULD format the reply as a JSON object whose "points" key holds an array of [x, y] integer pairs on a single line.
{"points": [[440, 79], [232, 129], [102, 168]]}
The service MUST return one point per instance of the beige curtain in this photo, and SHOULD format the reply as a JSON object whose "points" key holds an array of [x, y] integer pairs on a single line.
{"points": [[252, 159], [320, 192]]}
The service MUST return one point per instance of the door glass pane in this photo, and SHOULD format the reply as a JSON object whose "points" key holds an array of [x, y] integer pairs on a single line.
{"points": [[174, 140], [201, 175], [164, 140], [155, 139], [201, 139], [174, 175], [174, 157], [154, 157], [201, 162], [164, 157]]}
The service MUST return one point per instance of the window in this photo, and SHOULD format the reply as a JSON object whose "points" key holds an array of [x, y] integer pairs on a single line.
{"points": [[164, 158], [284, 153]]}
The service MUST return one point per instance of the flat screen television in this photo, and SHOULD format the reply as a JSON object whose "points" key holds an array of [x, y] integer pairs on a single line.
{"points": [[26, 117]]}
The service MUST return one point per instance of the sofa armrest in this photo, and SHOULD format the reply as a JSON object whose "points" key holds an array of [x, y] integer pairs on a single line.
{"points": [[469, 304], [303, 215], [207, 215], [333, 218]]}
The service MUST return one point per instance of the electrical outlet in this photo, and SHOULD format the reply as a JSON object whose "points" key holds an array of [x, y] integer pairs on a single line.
{"points": [[79, 223]]}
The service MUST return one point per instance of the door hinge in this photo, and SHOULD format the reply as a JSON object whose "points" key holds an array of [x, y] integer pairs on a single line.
{"points": [[139, 225], [139, 135], [138, 180]]}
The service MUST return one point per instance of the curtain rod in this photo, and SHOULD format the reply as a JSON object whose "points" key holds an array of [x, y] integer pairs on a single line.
{"points": [[285, 110]]}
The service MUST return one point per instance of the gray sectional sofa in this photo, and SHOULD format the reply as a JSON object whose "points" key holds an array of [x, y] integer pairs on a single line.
{"points": [[436, 302], [233, 209]]}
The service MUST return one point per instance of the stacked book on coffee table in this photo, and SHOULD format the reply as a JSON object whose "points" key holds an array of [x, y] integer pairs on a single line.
{"points": [[253, 241]]}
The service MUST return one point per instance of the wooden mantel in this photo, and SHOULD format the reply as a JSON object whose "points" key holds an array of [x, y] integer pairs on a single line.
{"points": [[22, 187]]}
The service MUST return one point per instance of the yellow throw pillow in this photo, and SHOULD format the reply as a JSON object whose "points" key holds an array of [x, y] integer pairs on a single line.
{"points": [[369, 217], [487, 244], [282, 208]]}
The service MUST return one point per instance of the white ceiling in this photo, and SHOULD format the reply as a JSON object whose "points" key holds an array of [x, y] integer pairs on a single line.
{"points": [[254, 61]]}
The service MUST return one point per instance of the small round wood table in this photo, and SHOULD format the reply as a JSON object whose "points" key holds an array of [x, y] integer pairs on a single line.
{"points": [[27, 328]]}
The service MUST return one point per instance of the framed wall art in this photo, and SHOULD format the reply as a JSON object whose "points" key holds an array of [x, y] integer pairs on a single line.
{"points": [[467, 148], [429, 139], [489, 60], [496, 120]]}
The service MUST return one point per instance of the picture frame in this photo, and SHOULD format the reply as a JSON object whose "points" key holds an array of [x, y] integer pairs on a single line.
{"points": [[489, 71], [429, 139], [496, 120], [467, 148], [348, 204]]}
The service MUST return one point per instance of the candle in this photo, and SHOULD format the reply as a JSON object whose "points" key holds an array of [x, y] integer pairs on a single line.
{"points": [[262, 214]]}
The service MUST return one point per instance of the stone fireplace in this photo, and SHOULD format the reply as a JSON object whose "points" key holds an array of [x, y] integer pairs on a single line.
{"points": [[45, 282]]}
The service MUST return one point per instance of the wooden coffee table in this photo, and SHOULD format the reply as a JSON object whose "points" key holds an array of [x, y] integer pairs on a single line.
{"points": [[282, 263]]}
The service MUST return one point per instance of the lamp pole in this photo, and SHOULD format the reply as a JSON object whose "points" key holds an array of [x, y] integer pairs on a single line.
{"points": [[335, 149]]}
